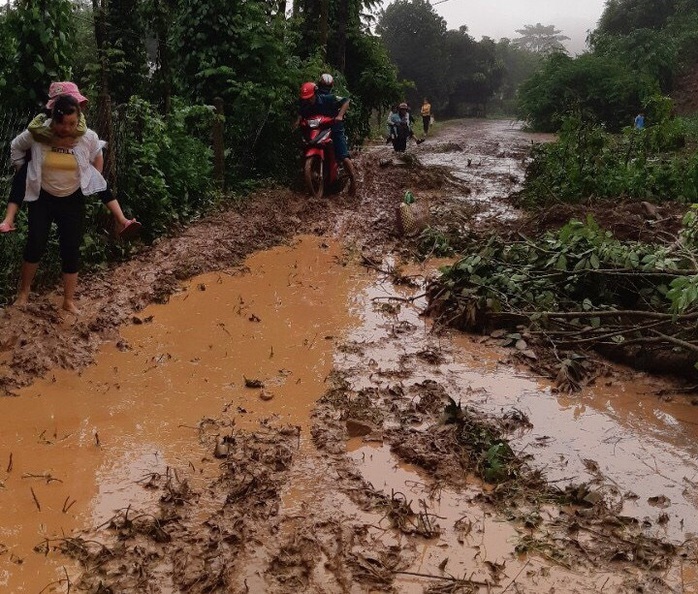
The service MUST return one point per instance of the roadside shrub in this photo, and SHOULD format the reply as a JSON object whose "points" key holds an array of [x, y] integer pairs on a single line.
{"points": [[166, 169], [587, 161], [597, 86]]}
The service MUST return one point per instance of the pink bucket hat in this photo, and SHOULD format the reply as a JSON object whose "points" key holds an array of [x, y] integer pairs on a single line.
{"points": [[63, 88]]}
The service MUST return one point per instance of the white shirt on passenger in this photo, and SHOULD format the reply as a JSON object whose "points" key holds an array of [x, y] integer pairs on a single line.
{"points": [[86, 149]]}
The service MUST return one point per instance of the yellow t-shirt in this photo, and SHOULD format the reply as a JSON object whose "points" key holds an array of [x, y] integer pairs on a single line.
{"points": [[59, 174], [426, 110]]}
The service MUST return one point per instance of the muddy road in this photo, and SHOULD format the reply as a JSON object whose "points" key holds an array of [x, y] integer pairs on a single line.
{"points": [[259, 405]]}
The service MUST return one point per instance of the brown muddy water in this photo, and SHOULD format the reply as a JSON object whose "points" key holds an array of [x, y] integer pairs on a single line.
{"points": [[490, 157], [74, 448]]}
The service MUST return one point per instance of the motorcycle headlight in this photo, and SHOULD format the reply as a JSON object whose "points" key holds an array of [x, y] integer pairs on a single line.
{"points": [[314, 122]]}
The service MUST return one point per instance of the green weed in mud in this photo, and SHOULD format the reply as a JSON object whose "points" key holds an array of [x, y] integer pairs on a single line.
{"points": [[492, 456], [434, 243]]}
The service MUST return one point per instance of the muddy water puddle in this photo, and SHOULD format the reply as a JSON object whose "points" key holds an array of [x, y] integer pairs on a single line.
{"points": [[638, 448], [76, 447]]}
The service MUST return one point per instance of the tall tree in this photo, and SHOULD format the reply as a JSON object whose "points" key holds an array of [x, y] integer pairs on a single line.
{"points": [[620, 17], [125, 41], [105, 122], [160, 14], [414, 35], [541, 39]]}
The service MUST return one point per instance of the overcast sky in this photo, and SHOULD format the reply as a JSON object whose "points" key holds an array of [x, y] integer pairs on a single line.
{"points": [[501, 18]]}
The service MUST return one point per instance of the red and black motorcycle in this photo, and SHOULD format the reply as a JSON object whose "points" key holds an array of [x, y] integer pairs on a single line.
{"points": [[323, 175]]}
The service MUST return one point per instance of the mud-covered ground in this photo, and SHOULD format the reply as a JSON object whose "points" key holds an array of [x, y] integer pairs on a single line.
{"points": [[39, 338], [351, 537]]}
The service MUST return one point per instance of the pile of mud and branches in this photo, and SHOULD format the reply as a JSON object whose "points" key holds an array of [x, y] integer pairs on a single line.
{"points": [[574, 525], [561, 295]]}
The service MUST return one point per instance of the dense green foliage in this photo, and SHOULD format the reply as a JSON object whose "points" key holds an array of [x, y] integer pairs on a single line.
{"points": [[597, 86], [587, 161], [459, 75], [37, 37], [169, 177], [621, 17]]}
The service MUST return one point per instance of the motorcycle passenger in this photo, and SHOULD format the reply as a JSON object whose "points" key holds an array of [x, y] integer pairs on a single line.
{"points": [[319, 100]]}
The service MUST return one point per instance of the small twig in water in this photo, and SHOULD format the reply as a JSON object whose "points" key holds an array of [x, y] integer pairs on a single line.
{"points": [[66, 505], [516, 577], [36, 501]]}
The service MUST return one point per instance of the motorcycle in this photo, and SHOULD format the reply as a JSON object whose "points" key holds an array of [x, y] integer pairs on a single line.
{"points": [[323, 175]]}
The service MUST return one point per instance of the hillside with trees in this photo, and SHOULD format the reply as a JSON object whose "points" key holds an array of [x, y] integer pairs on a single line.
{"points": [[640, 50]]}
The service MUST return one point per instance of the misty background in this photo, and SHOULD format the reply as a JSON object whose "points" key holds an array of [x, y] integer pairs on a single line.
{"points": [[501, 18]]}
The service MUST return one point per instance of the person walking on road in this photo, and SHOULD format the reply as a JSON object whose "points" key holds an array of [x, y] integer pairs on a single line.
{"points": [[426, 115]]}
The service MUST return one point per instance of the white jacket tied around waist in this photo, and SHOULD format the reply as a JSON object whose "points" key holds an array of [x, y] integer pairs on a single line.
{"points": [[86, 149]]}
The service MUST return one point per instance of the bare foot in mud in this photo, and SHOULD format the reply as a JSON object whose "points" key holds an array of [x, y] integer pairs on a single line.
{"points": [[70, 307], [22, 299]]}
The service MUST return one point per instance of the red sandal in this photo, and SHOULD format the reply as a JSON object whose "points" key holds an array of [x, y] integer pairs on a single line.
{"points": [[131, 230]]}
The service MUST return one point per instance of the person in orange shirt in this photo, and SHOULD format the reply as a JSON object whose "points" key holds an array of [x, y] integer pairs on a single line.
{"points": [[426, 115]]}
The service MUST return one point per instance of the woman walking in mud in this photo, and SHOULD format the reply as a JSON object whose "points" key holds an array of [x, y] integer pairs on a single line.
{"points": [[59, 176]]}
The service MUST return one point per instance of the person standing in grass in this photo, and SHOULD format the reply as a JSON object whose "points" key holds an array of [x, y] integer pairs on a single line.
{"points": [[639, 122]]}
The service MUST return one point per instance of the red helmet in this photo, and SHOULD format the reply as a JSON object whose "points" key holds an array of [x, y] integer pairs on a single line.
{"points": [[308, 90]]}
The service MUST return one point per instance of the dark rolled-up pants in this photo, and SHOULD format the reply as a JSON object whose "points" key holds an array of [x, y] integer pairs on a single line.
{"points": [[69, 215]]}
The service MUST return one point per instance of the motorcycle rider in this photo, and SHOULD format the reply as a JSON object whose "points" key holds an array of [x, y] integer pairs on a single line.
{"points": [[318, 99]]}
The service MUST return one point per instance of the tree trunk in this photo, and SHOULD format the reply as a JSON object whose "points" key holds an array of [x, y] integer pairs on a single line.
{"points": [[105, 123], [342, 25], [163, 56], [324, 25]]}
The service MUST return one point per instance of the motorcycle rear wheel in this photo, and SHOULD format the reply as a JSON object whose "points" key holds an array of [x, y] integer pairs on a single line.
{"points": [[314, 180]]}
